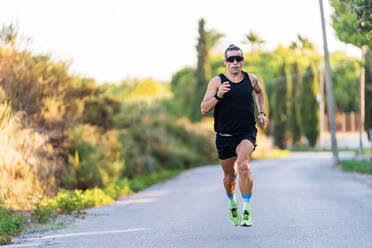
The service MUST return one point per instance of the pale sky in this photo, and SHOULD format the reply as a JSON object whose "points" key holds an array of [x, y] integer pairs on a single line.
{"points": [[111, 39]]}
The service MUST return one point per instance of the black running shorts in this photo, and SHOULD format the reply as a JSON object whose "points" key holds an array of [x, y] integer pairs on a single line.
{"points": [[226, 145]]}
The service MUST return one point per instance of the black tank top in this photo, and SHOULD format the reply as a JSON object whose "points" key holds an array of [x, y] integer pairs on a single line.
{"points": [[234, 113]]}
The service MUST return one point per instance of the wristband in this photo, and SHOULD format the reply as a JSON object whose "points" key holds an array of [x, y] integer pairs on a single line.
{"points": [[217, 96], [262, 113]]}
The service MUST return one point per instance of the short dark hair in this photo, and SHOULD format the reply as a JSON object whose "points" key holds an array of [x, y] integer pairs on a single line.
{"points": [[231, 48]]}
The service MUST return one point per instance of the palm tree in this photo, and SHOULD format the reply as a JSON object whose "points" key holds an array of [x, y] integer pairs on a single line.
{"points": [[213, 37], [294, 45], [305, 45], [254, 40]]}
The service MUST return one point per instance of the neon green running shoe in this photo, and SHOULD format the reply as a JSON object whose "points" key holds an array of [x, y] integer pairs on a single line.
{"points": [[234, 216], [247, 218]]}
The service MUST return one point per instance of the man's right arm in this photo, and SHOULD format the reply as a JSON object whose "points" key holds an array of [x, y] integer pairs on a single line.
{"points": [[209, 101]]}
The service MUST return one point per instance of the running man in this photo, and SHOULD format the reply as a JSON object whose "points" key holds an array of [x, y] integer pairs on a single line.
{"points": [[230, 95]]}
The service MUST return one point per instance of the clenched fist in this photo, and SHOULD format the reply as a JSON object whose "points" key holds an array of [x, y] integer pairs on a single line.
{"points": [[224, 87]]}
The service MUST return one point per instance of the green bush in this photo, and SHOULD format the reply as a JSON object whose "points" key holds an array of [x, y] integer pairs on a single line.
{"points": [[95, 158], [73, 201], [180, 144], [100, 111], [361, 166], [69, 201], [95, 197], [153, 140], [116, 189], [144, 181], [190, 147], [44, 211], [11, 223]]}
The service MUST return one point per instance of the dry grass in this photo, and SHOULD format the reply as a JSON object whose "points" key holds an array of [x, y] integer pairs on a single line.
{"points": [[23, 171]]}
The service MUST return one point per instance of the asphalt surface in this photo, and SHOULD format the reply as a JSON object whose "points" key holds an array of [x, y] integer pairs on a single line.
{"points": [[299, 201]]}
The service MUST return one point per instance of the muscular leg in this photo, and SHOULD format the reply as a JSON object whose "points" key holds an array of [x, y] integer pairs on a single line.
{"points": [[229, 181], [229, 169], [244, 151]]}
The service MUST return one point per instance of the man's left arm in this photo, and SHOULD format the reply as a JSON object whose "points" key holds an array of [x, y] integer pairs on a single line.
{"points": [[260, 99]]}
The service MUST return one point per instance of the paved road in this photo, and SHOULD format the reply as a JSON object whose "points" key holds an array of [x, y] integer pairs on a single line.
{"points": [[297, 202]]}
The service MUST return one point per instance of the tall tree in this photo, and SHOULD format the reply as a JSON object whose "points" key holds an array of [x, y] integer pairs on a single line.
{"points": [[293, 121], [280, 117], [202, 73], [309, 106], [345, 82], [352, 21]]}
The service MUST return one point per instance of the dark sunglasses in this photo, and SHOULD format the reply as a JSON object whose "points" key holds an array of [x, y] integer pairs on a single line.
{"points": [[232, 58]]}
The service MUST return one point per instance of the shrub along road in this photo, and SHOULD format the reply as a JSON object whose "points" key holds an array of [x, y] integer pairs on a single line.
{"points": [[297, 202]]}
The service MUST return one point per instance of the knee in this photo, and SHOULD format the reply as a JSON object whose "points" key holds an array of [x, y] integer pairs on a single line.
{"points": [[243, 167], [230, 176]]}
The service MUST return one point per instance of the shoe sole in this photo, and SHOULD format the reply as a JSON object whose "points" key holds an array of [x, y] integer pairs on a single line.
{"points": [[245, 225]]}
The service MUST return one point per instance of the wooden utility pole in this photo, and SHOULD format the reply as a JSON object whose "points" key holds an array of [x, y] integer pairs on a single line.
{"points": [[362, 100], [330, 100]]}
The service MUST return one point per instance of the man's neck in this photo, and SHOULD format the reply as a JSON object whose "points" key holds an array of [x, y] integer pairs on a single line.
{"points": [[235, 77]]}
